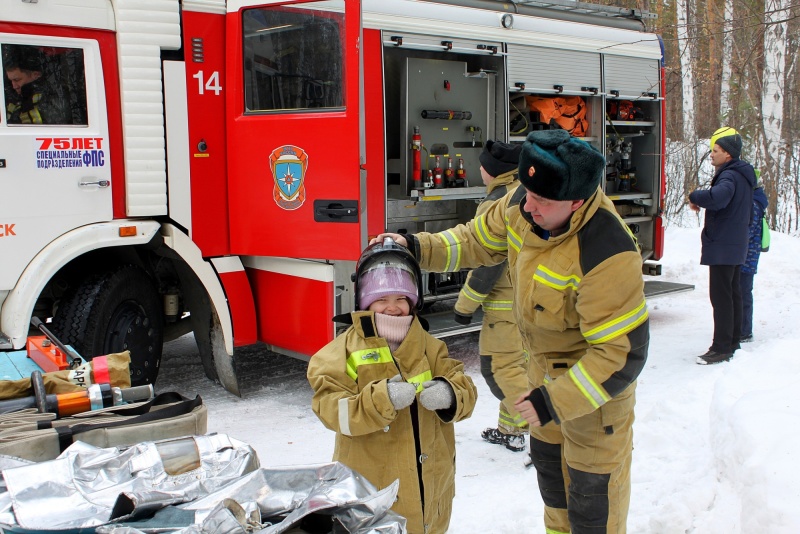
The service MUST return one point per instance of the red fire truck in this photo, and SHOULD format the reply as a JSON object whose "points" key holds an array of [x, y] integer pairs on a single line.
{"points": [[217, 166]]}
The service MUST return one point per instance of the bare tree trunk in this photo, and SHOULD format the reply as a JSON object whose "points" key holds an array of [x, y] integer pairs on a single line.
{"points": [[773, 150], [688, 152], [727, 53]]}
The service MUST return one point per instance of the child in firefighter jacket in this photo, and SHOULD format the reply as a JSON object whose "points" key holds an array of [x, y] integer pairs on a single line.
{"points": [[391, 392]]}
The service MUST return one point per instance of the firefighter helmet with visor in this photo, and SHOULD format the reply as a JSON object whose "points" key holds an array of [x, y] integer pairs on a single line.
{"points": [[386, 268]]}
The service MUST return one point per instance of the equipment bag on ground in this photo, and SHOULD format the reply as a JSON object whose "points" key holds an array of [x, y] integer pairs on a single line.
{"points": [[38, 436]]}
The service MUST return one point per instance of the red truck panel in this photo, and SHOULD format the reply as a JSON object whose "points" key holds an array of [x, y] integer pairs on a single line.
{"points": [[293, 313], [376, 143], [207, 130], [326, 145]]}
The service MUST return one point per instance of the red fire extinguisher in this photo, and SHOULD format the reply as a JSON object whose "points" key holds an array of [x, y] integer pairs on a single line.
{"points": [[437, 174], [416, 162]]}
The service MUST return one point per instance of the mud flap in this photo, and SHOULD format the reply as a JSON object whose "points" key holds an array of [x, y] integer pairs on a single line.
{"points": [[224, 363]]}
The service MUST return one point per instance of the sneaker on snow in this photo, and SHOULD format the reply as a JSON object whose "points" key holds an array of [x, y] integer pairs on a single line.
{"points": [[746, 339], [712, 357]]}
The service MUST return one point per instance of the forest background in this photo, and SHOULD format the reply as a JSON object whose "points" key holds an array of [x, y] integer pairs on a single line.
{"points": [[731, 63]]}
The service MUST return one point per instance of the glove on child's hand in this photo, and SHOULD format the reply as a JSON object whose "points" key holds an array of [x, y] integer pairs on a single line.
{"points": [[437, 395], [400, 393]]}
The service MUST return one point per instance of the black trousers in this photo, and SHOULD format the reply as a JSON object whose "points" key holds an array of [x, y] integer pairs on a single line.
{"points": [[726, 299], [746, 280]]}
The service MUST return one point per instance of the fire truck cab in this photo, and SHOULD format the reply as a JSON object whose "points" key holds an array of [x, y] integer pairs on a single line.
{"points": [[217, 166]]}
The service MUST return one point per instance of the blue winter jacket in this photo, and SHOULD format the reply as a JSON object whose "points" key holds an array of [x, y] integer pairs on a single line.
{"points": [[728, 204], [760, 204]]}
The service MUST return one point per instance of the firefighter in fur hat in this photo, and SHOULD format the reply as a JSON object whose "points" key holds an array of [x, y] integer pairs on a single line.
{"points": [[503, 362], [579, 303], [391, 392]]}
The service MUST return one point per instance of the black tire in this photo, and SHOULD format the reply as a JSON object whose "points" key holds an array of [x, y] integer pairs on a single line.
{"points": [[114, 312]]}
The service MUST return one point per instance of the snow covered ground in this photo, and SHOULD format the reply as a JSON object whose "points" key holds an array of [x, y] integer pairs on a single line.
{"points": [[713, 445]]}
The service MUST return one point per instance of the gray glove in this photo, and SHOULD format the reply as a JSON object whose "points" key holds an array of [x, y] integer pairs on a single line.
{"points": [[437, 395], [400, 393]]}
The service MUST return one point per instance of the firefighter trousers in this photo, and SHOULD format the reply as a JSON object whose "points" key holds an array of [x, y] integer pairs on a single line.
{"points": [[583, 469], [504, 365]]}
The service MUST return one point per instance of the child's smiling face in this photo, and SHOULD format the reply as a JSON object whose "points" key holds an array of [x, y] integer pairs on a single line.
{"points": [[396, 305]]}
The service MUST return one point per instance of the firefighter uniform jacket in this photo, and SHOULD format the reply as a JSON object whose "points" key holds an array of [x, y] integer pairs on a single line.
{"points": [[578, 299], [39, 103], [414, 445], [490, 286]]}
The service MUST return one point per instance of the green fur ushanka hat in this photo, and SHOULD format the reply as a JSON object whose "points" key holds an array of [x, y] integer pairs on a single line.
{"points": [[557, 166]]}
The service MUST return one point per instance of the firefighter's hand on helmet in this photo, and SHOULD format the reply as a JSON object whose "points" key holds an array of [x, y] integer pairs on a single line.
{"points": [[397, 238], [437, 395], [462, 318], [401, 393]]}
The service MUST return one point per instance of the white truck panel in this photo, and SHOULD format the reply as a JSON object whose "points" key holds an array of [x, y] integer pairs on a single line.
{"points": [[145, 28], [91, 13]]}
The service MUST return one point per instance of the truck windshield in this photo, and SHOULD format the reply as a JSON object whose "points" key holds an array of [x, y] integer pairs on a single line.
{"points": [[293, 57]]}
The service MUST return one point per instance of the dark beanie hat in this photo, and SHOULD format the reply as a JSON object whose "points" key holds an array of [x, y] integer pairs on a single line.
{"points": [[557, 166], [499, 158], [728, 140]]}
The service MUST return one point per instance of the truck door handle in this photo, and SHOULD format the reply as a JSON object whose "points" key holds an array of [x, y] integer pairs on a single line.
{"points": [[98, 183], [336, 211]]}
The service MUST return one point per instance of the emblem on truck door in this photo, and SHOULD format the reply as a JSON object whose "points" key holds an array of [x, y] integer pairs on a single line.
{"points": [[289, 164]]}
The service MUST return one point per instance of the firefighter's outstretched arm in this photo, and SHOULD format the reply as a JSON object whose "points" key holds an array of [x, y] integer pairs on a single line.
{"points": [[480, 242]]}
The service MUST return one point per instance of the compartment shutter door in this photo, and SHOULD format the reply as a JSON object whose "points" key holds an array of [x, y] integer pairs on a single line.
{"points": [[542, 68], [632, 76]]}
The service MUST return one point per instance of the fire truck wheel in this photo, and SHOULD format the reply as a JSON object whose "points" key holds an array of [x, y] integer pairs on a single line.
{"points": [[114, 312]]}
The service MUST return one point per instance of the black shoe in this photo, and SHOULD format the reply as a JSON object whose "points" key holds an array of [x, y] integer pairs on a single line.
{"points": [[746, 339], [711, 357], [492, 435], [511, 442], [515, 442]]}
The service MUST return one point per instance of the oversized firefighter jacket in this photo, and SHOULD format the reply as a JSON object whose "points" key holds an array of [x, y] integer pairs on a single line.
{"points": [[578, 298], [489, 286], [415, 445]]}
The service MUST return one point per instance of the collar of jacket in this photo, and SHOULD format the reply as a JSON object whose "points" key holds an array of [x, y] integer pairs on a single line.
{"points": [[579, 218], [364, 322], [500, 181]]}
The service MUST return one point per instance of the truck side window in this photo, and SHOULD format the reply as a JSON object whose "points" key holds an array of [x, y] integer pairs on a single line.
{"points": [[44, 85], [293, 57]]}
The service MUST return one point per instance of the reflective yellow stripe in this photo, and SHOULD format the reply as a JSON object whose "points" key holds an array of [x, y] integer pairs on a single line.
{"points": [[513, 239], [486, 238], [555, 280], [420, 379], [453, 249], [473, 295], [593, 392], [367, 357], [619, 326], [553, 531], [513, 422], [499, 305]]}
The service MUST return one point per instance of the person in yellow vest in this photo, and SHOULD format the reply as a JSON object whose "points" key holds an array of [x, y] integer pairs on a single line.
{"points": [[579, 304], [391, 392], [503, 362]]}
